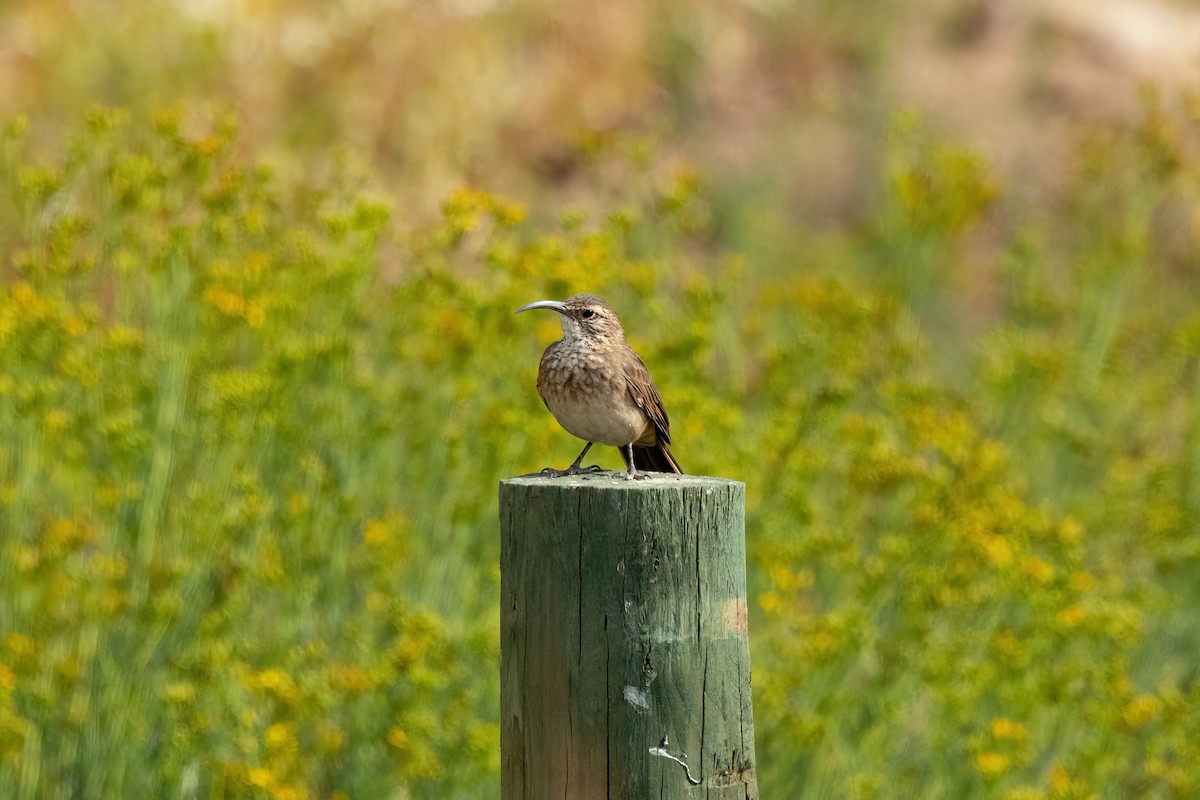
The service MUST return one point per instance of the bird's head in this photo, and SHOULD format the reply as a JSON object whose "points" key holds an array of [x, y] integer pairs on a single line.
{"points": [[584, 316]]}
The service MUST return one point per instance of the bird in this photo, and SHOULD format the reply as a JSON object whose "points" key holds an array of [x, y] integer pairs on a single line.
{"points": [[600, 390]]}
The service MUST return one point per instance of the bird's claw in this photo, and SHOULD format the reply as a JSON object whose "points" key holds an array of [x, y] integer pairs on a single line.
{"points": [[551, 472]]}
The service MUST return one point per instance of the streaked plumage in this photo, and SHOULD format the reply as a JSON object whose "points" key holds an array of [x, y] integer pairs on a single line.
{"points": [[600, 390]]}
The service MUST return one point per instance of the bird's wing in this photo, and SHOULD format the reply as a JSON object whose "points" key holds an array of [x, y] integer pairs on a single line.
{"points": [[543, 369], [645, 394]]}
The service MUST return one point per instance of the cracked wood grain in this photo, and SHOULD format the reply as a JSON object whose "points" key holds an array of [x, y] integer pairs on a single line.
{"points": [[614, 592]]}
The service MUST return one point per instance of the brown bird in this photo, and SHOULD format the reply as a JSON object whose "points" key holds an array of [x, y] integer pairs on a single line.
{"points": [[600, 390]]}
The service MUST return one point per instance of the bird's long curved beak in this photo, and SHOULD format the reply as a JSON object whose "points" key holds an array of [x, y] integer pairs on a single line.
{"points": [[554, 305]]}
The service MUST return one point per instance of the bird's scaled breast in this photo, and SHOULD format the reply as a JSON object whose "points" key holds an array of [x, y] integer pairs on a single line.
{"points": [[590, 400]]}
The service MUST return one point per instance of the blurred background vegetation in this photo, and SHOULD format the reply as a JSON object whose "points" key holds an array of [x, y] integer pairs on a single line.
{"points": [[923, 276]]}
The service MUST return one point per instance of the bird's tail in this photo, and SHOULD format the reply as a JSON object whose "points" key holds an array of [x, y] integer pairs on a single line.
{"points": [[656, 458]]}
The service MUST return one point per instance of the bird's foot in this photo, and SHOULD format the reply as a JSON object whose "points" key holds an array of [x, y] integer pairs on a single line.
{"points": [[574, 469]]}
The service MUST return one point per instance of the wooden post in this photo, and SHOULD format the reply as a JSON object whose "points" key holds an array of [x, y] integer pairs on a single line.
{"points": [[625, 665]]}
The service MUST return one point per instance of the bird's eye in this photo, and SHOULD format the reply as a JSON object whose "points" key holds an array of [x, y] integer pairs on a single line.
{"points": [[588, 313]]}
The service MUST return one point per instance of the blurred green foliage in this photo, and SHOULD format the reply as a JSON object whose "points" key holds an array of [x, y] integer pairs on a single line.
{"points": [[247, 477], [251, 425]]}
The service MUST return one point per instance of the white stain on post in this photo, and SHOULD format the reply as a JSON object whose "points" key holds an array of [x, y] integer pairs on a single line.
{"points": [[637, 698], [734, 616]]}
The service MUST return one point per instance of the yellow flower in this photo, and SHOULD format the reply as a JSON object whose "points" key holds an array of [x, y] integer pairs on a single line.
{"points": [[20, 645], [510, 213], [24, 294], [228, 303], [256, 314], [998, 550], [28, 559], [298, 502], [113, 601], [421, 763], [253, 220], [350, 678], [1070, 530], [461, 210], [260, 777], [1023, 793], [397, 738], [769, 601], [207, 145], [991, 764], [61, 531], [180, 693], [1061, 784], [375, 532], [125, 337], [1071, 616], [820, 643], [1082, 581], [1006, 642], [8, 678], [276, 681], [1005, 728], [258, 261], [280, 737], [1038, 569], [1141, 710], [75, 327], [991, 455], [789, 580], [70, 669], [110, 567], [56, 419]]}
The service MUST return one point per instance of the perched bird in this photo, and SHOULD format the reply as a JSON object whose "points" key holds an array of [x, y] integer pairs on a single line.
{"points": [[600, 390]]}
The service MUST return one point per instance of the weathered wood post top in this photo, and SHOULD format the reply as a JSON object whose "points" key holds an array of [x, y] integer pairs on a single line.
{"points": [[625, 665]]}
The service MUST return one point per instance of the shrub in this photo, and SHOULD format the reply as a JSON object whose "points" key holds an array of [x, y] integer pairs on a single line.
{"points": [[252, 433]]}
